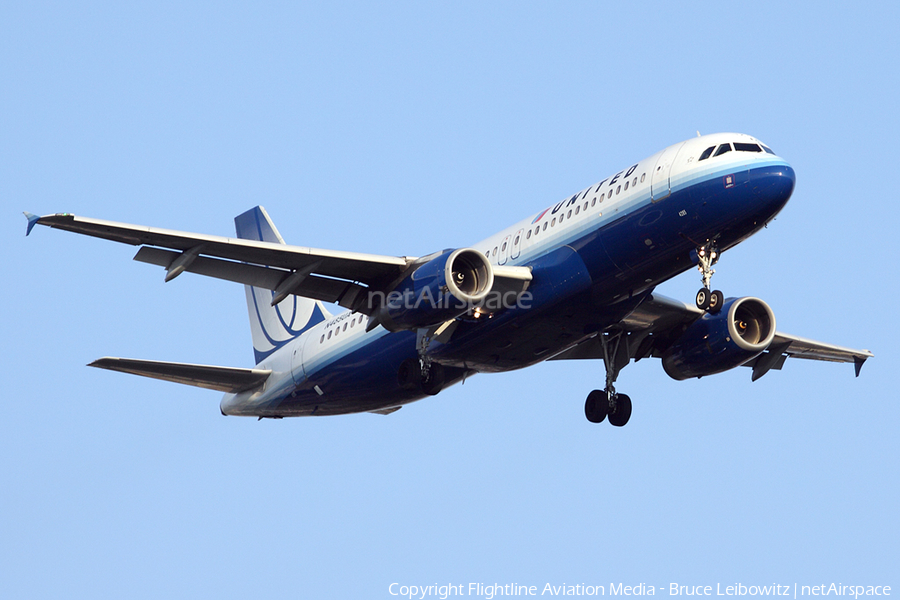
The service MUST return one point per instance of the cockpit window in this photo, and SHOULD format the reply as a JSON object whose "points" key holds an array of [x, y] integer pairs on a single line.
{"points": [[743, 147], [723, 149], [767, 149], [707, 152]]}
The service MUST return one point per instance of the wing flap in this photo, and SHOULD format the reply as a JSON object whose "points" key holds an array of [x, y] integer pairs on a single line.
{"points": [[798, 347], [223, 379], [344, 293]]}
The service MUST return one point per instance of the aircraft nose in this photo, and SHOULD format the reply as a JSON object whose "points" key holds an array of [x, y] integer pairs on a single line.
{"points": [[790, 178], [784, 180], [774, 188]]}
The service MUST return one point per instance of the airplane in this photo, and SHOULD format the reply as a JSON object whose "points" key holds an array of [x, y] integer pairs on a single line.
{"points": [[573, 281]]}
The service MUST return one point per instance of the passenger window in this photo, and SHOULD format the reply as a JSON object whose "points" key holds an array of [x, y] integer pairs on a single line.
{"points": [[706, 153], [352, 323], [329, 334], [545, 226], [345, 327], [602, 196], [586, 204], [516, 241], [537, 230], [742, 147], [643, 175], [322, 339], [618, 189], [528, 235], [503, 247], [561, 217], [634, 182], [553, 222], [594, 202], [495, 251], [577, 209], [722, 150], [626, 185], [568, 215]]}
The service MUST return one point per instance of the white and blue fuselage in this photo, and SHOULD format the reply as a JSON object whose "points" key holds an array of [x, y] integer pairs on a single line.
{"points": [[594, 256]]}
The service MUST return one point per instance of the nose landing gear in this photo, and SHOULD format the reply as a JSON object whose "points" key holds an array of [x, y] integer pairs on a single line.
{"points": [[707, 255]]}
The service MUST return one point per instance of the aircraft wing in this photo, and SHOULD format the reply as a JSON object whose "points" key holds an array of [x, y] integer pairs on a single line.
{"points": [[659, 318], [328, 275], [223, 379], [331, 276]]}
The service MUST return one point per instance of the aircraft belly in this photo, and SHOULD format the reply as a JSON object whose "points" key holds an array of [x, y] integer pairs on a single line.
{"points": [[363, 379]]}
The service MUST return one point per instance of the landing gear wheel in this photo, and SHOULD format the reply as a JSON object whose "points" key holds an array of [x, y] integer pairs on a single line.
{"points": [[621, 412], [596, 406], [435, 381], [409, 375], [410, 378], [703, 298], [716, 300]]}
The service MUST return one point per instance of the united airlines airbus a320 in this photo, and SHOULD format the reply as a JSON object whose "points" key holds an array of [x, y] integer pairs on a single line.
{"points": [[573, 281]]}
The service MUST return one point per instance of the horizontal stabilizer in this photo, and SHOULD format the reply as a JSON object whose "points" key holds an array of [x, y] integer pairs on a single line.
{"points": [[223, 379]]}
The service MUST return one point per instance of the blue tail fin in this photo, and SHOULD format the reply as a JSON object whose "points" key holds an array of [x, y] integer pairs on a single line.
{"points": [[273, 326]]}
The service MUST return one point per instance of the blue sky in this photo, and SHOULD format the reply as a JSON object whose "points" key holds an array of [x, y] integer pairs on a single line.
{"points": [[401, 129]]}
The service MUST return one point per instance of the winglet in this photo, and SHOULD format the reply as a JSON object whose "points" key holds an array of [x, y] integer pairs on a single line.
{"points": [[32, 221], [858, 362]]}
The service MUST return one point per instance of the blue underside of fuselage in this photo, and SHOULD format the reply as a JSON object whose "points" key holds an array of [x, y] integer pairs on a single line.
{"points": [[579, 288]]}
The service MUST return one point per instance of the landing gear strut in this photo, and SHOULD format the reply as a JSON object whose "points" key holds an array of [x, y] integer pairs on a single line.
{"points": [[609, 403], [707, 256]]}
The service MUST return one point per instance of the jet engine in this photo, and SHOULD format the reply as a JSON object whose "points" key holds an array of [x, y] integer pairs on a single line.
{"points": [[714, 343], [443, 288]]}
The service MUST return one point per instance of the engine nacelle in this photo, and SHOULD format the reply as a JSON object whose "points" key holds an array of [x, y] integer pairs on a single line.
{"points": [[714, 343], [441, 289]]}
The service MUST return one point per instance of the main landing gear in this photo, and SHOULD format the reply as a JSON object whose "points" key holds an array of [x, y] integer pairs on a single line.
{"points": [[421, 374], [707, 256], [601, 404], [414, 376]]}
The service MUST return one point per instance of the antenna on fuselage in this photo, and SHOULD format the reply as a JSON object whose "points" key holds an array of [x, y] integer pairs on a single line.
{"points": [[698, 133]]}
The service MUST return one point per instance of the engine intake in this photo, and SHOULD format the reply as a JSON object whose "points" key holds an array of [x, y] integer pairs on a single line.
{"points": [[443, 288], [714, 343]]}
